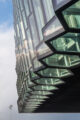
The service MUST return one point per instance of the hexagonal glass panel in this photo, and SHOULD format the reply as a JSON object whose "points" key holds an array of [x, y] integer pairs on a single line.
{"points": [[60, 60], [55, 72], [44, 87], [38, 97], [72, 15], [49, 81], [69, 42], [41, 93]]}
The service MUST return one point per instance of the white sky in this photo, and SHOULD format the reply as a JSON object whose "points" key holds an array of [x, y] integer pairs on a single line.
{"points": [[8, 93]]}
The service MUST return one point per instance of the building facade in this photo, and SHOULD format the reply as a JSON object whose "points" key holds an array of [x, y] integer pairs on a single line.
{"points": [[47, 48]]}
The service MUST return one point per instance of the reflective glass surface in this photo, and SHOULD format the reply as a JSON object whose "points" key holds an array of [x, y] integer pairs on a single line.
{"points": [[35, 81], [33, 75], [41, 93], [53, 26], [27, 10], [60, 60], [69, 42], [36, 63], [29, 40], [39, 16], [24, 19], [34, 30], [72, 15], [34, 100], [54, 72], [48, 7], [43, 49], [38, 97], [49, 81], [44, 87]]}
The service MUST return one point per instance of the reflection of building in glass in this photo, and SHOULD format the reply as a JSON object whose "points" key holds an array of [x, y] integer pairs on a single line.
{"points": [[47, 48]]}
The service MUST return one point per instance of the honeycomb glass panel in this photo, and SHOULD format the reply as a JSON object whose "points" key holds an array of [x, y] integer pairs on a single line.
{"points": [[49, 81], [69, 42], [59, 60], [38, 97], [44, 87], [54, 72], [72, 15], [36, 63], [31, 107], [43, 49], [33, 75], [30, 83], [52, 27], [34, 103], [41, 93], [34, 100]]}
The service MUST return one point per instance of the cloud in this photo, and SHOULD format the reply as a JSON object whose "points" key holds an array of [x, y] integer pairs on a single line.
{"points": [[8, 93]]}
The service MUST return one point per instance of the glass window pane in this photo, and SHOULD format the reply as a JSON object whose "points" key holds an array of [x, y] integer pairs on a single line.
{"points": [[48, 7], [43, 49], [49, 81], [21, 4], [72, 15], [39, 16], [26, 7], [24, 20], [36, 63], [47, 88], [38, 97], [60, 60], [69, 42], [54, 72], [41, 93], [53, 28], [29, 40], [33, 30]]}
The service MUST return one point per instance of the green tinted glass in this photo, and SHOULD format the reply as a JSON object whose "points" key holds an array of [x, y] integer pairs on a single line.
{"points": [[49, 81], [38, 97], [54, 72], [35, 100], [72, 15], [33, 75], [34, 103], [60, 60], [41, 93], [44, 87], [69, 42], [30, 83]]}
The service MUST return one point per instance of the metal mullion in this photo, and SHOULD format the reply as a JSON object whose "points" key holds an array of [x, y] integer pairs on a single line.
{"points": [[44, 14], [31, 38], [31, 31], [35, 21], [24, 28]]}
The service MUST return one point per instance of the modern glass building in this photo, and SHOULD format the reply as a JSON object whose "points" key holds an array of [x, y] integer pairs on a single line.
{"points": [[47, 47]]}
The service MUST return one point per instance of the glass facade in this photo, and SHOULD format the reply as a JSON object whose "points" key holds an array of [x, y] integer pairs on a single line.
{"points": [[44, 48], [72, 15]]}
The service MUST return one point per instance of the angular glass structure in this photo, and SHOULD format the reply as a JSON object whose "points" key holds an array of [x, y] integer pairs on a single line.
{"points": [[47, 47]]}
